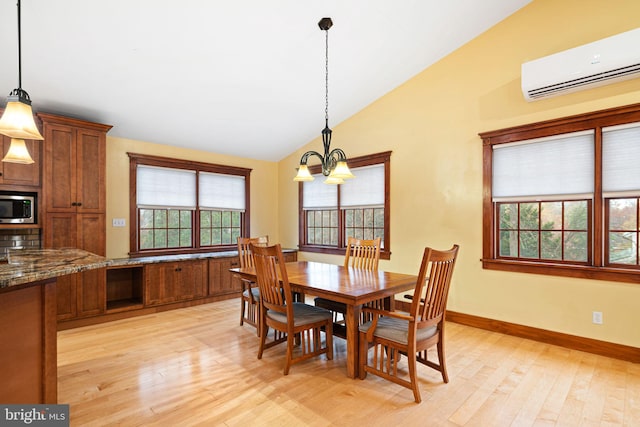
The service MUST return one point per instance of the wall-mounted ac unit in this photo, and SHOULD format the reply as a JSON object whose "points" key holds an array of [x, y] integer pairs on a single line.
{"points": [[605, 61]]}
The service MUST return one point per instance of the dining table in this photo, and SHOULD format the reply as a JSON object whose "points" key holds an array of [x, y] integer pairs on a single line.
{"points": [[352, 286]]}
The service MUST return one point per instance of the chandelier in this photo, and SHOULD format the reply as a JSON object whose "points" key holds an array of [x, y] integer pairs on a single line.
{"points": [[334, 162], [17, 121]]}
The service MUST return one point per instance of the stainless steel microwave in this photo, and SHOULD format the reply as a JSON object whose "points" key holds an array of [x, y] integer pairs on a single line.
{"points": [[17, 209]]}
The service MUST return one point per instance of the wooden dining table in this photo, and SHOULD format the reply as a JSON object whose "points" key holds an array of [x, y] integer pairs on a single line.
{"points": [[352, 286]]}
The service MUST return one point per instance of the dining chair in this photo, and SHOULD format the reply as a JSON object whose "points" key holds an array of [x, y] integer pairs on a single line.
{"points": [[392, 333], [301, 323], [250, 295], [360, 253]]}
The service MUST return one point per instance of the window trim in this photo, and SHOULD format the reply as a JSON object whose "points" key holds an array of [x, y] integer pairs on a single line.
{"points": [[593, 120], [354, 162], [136, 159]]}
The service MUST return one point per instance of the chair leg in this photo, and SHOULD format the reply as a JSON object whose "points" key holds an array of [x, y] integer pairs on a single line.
{"points": [[329, 340], [411, 358], [290, 343], [263, 336], [443, 365], [364, 355], [242, 308]]}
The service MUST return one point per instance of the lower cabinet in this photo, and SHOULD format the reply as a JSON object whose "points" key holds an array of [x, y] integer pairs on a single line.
{"points": [[221, 282], [81, 294], [96, 295], [175, 281]]}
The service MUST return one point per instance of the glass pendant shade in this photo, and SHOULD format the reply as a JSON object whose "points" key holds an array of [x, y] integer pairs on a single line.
{"points": [[17, 121], [18, 153], [333, 180], [342, 171], [303, 174]]}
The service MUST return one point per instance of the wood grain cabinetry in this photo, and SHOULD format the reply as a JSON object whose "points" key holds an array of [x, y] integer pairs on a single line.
{"points": [[74, 206], [175, 281], [18, 174], [221, 281]]}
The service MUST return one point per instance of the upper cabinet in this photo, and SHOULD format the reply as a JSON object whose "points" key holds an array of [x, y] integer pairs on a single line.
{"points": [[75, 163]]}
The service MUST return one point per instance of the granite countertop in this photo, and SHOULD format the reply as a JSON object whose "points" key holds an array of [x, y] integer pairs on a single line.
{"points": [[119, 262], [31, 265]]}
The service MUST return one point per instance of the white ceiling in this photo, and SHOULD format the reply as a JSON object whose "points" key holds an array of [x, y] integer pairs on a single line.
{"points": [[239, 77]]}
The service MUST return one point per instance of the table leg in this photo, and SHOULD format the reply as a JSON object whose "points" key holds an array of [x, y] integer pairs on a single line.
{"points": [[352, 318]]}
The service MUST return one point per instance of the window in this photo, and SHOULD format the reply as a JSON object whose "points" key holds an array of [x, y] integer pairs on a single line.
{"points": [[562, 197], [179, 206], [329, 214]]}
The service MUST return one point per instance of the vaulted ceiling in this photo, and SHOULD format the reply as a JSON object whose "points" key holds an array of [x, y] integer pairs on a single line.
{"points": [[238, 77]]}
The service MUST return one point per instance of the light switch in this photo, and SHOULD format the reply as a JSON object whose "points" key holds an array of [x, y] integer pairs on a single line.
{"points": [[118, 222]]}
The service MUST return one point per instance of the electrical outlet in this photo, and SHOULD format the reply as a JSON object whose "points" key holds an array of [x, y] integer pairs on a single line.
{"points": [[118, 222], [596, 317]]}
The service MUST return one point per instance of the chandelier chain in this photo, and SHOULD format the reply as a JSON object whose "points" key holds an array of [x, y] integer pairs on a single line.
{"points": [[326, 78]]}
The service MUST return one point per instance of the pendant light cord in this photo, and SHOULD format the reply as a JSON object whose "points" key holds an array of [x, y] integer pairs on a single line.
{"points": [[326, 79], [19, 50]]}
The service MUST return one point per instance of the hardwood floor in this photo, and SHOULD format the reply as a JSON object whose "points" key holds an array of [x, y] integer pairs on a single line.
{"points": [[197, 366]]}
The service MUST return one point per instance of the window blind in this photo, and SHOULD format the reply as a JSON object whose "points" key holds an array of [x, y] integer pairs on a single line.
{"points": [[220, 191], [366, 189], [621, 158], [165, 187], [318, 195], [559, 165]]}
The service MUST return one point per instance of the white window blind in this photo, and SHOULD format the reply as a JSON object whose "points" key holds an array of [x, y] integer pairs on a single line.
{"points": [[621, 158], [221, 191], [165, 187], [366, 189], [318, 195], [559, 165]]}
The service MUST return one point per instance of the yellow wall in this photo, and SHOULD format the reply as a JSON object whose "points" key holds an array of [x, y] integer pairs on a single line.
{"points": [[264, 191], [431, 123]]}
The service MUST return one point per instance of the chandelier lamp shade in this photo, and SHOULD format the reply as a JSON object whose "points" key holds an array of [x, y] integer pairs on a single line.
{"points": [[334, 162], [17, 120]]}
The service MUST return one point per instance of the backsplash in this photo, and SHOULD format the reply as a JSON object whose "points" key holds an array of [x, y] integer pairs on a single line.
{"points": [[17, 238]]}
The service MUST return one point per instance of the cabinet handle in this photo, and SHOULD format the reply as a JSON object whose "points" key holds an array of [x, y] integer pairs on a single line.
{"points": [[74, 204], [179, 269], [79, 204]]}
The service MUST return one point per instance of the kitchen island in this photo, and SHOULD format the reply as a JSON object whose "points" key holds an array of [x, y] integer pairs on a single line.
{"points": [[28, 332]]}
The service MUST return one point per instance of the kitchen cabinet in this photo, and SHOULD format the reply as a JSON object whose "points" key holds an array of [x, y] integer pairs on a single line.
{"points": [[73, 206], [16, 174], [221, 282], [79, 294], [175, 281]]}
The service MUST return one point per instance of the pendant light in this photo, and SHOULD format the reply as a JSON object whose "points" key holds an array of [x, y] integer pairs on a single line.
{"points": [[17, 121], [334, 162]]}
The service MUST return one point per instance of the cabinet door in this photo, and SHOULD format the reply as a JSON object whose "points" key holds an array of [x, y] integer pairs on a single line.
{"points": [[221, 281], [60, 168], [19, 174], [160, 283], [153, 289], [91, 284], [60, 230], [66, 297], [91, 164], [190, 282]]}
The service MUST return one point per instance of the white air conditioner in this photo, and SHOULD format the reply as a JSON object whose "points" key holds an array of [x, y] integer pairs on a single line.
{"points": [[605, 61]]}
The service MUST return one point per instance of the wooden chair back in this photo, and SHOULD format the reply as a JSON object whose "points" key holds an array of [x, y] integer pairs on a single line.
{"points": [[434, 280], [271, 276], [362, 253], [244, 252]]}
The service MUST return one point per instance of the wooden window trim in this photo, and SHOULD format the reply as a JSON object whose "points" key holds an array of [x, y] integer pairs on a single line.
{"points": [[593, 120], [355, 162], [136, 159]]}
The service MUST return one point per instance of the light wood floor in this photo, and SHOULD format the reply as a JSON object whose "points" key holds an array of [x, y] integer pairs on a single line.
{"points": [[197, 366]]}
